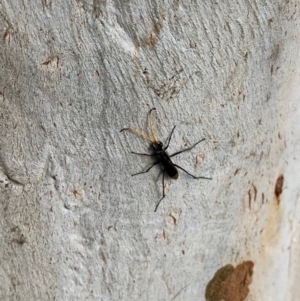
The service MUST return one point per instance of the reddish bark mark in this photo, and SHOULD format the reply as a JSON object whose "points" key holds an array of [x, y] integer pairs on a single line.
{"points": [[229, 283], [278, 187]]}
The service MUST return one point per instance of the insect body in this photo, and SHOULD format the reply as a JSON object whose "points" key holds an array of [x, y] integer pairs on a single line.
{"points": [[165, 161], [161, 155]]}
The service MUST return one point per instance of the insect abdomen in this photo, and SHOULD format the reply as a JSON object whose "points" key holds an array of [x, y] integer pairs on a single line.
{"points": [[170, 169]]}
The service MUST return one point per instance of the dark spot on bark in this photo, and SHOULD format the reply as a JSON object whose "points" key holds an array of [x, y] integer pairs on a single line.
{"points": [[236, 171], [278, 187]]}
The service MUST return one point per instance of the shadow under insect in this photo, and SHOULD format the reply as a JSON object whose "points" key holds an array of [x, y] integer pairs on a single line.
{"points": [[161, 156]]}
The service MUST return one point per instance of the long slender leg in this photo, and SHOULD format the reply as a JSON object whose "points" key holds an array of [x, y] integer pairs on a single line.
{"points": [[163, 184], [170, 136], [191, 174], [155, 163], [142, 154], [187, 149]]}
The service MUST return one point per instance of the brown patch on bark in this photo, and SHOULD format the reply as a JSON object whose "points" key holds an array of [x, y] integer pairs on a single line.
{"points": [[271, 229], [229, 283], [278, 187]]}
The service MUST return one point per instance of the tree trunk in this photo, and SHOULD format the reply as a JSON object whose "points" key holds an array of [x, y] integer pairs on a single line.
{"points": [[75, 225]]}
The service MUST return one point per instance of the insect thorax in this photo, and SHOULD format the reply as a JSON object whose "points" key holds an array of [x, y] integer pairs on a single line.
{"points": [[157, 146]]}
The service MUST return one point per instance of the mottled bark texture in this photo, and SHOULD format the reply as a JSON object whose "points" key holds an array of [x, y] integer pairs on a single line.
{"points": [[74, 224]]}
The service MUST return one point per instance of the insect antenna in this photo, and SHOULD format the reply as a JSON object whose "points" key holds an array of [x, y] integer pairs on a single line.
{"points": [[151, 138], [138, 132], [151, 126]]}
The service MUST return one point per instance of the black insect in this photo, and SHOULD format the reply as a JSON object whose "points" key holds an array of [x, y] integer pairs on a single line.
{"points": [[161, 155]]}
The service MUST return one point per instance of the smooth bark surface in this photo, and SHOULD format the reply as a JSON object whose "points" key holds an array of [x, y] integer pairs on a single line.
{"points": [[75, 225]]}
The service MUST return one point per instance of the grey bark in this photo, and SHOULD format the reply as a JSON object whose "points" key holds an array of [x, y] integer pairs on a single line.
{"points": [[74, 224]]}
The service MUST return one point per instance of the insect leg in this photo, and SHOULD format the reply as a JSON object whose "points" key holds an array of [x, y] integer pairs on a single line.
{"points": [[163, 183], [141, 154], [170, 136], [191, 174], [187, 149], [155, 163]]}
